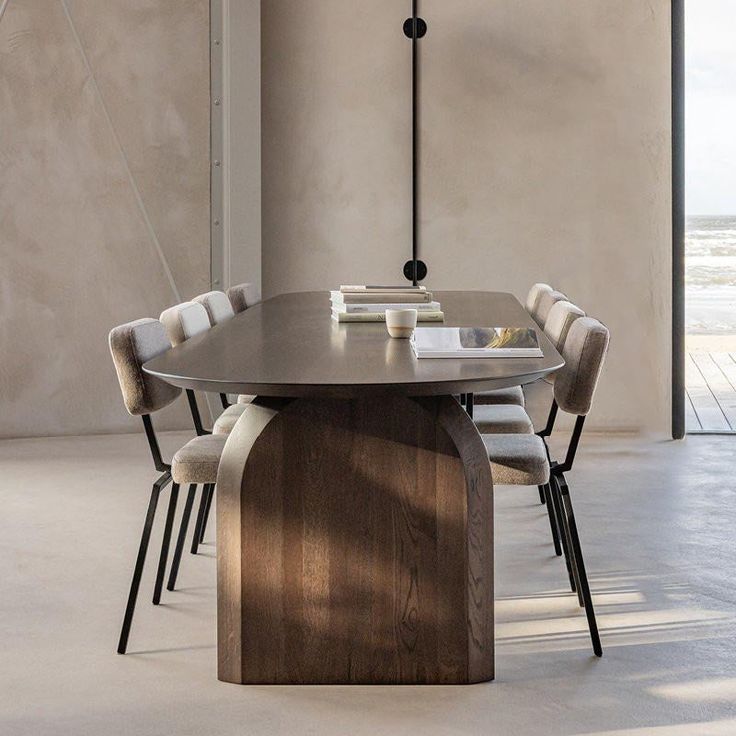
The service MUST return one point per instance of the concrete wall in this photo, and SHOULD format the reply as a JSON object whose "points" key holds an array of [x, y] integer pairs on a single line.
{"points": [[104, 148], [545, 156]]}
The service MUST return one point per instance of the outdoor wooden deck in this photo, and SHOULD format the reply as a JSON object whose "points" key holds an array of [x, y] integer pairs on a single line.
{"points": [[711, 392]]}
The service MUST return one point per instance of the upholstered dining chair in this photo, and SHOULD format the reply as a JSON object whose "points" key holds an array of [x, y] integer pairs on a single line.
{"points": [[196, 463], [525, 460], [512, 418], [182, 322], [219, 310], [538, 303], [559, 320], [547, 300], [218, 306], [557, 327], [242, 296], [532, 298]]}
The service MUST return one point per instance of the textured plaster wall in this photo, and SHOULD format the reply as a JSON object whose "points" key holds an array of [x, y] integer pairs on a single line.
{"points": [[335, 142], [545, 156], [104, 196]]}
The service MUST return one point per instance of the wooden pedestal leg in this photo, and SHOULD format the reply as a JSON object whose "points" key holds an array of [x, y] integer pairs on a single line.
{"points": [[355, 544]]}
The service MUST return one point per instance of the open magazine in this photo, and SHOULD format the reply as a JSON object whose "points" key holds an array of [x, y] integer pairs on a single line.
{"points": [[476, 342]]}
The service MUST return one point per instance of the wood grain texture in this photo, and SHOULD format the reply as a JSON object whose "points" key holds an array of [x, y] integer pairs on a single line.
{"points": [[355, 545]]}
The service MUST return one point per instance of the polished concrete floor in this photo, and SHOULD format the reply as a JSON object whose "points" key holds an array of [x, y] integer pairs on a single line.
{"points": [[658, 521]]}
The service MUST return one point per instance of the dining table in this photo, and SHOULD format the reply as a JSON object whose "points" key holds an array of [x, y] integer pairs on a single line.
{"points": [[354, 494]]}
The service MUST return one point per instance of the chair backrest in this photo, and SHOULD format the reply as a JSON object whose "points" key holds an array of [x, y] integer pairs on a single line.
{"points": [[547, 300], [184, 321], [584, 352], [559, 321], [533, 296], [131, 345], [217, 305], [243, 296]]}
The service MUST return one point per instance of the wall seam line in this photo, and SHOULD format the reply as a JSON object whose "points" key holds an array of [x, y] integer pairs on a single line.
{"points": [[3, 8], [121, 150]]}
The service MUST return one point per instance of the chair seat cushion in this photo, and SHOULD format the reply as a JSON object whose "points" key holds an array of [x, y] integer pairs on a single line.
{"points": [[517, 459], [198, 460], [502, 419], [511, 395], [227, 420]]}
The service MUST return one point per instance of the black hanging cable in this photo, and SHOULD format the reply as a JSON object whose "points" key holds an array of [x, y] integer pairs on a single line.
{"points": [[414, 143], [415, 28]]}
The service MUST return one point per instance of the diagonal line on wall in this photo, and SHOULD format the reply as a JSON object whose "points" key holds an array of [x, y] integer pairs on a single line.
{"points": [[126, 165], [3, 7]]}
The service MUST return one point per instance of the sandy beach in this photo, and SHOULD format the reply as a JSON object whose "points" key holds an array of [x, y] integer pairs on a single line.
{"points": [[710, 343]]}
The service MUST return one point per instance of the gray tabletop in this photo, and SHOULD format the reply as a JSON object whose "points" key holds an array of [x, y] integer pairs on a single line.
{"points": [[289, 346]]}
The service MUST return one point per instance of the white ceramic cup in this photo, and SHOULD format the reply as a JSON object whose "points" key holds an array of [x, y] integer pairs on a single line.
{"points": [[401, 322]]}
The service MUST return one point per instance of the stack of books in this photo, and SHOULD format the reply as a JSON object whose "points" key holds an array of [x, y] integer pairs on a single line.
{"points": [[369, 303]]}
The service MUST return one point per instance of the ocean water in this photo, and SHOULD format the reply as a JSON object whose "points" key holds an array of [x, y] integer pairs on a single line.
{"points": [[710, 275]]}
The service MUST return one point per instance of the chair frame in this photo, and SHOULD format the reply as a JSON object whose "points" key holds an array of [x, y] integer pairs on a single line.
{"points": [[556, 495], [158, 487], [206, 500]]}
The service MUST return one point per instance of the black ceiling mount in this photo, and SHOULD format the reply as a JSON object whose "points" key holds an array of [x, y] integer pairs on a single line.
{"points": [[414, 29]]}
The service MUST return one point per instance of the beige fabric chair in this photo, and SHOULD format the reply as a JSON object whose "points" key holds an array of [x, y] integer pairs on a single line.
{"points": [[489, 420], [196, 463], [517, 459], [219, 309], [547, 300], [559, 320], [558, 324], [523, 459], [540, 299], [533, 296], [510, 395], [225, 423], [243, 296], [184, 321], [502, 419], [217, 305], [584, 352], [132, 345]]}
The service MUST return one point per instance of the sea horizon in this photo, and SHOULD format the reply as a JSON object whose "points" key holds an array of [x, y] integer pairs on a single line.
{"points": [[710, 274]]}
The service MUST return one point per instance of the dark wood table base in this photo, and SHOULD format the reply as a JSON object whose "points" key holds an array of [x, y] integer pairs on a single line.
{"points": [[355, 544]]}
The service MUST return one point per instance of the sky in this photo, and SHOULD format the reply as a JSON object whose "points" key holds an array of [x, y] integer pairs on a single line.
{"points": [[710, 117]]}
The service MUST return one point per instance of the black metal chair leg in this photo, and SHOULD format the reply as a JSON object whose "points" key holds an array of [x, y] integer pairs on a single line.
{"points": [[580, 566], [186, 514], [570, 551], [200, 515], [140, 562], [561, 527], [165, 544], [542, 497], [206, 516], [547, 495]]}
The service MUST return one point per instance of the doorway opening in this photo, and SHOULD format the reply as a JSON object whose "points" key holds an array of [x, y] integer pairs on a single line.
{"points": [[710, 222]]}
